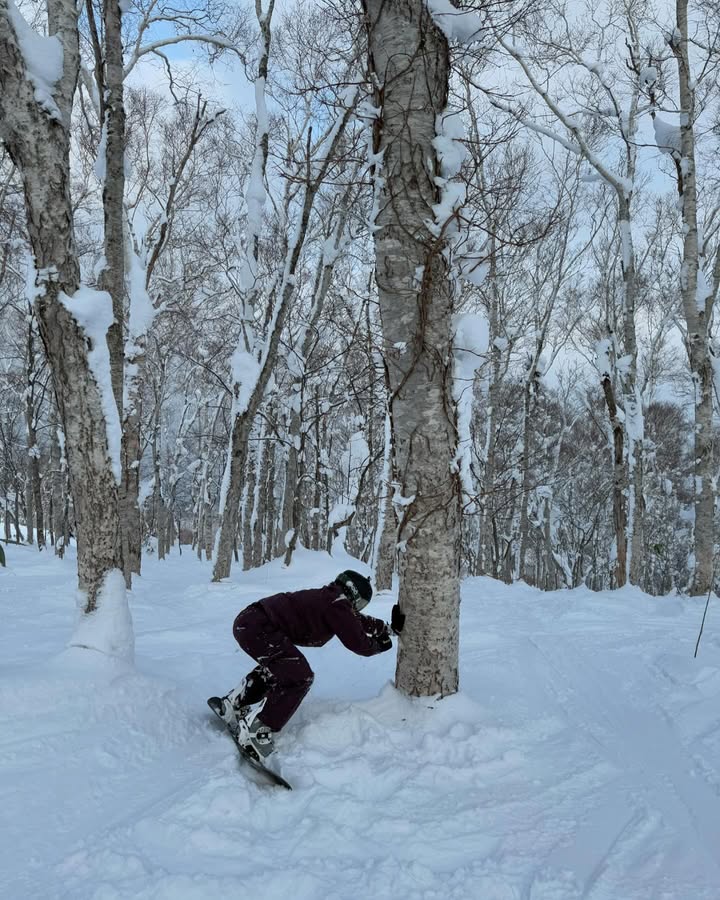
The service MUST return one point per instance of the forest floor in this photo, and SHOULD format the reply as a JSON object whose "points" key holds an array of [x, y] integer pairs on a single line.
{"points": [[581, 758]]}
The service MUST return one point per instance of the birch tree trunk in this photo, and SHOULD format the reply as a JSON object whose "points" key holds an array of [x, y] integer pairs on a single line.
{"points": [[36, 134], [619, 480], [409, 58], [697, 306], [112, 108], [270, 505], [33, 497], [385, 553], [530, 387], [56, 480], [488, 549]]}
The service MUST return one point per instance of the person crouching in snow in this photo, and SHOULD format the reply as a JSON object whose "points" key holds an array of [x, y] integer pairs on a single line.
{"points": [[271, 630]]}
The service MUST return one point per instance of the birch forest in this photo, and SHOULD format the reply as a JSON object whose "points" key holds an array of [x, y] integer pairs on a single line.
{"points": [[432, 282]]}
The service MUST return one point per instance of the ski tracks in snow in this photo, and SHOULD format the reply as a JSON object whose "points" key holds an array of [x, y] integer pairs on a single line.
{"points": [[656, 810], [580, 762]]}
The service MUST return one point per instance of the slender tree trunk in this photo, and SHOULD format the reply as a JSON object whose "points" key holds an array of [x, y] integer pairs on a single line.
{"points": [[526, 455], [29, 512], [112, 278], [6, 512], [632, 402], [291, 499], [619, 482], [258, 509], [18, 534], [409, 57], [31, 460], [57, 477], [317, 480], [488, 551]]}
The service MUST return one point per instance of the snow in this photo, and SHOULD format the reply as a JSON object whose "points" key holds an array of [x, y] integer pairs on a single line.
{"points": [[581, 759], [448, 142], [626, 243], [142, 312], [464, 26], [255, 191], [43, 57], [470, 346], [92, 310], [108, 629], [473, 267], [704, 290], [451, 152], [339, 513], [101, 165], [603, 358], [245, 370], [667, 137], [648, 76], [353, 459], [452, 199]]}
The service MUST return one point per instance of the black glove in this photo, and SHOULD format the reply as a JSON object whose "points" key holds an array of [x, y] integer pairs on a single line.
{"points": [[397, 619], [384, 640]]}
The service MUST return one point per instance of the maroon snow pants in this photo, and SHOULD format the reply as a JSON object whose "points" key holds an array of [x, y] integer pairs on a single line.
{"points": [[283, 676]]}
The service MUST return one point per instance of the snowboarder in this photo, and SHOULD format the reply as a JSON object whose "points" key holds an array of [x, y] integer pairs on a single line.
{"points": [[270, 631]]}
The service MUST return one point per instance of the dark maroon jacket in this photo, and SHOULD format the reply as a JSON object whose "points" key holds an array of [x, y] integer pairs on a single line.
{"points": [[311, 618]]}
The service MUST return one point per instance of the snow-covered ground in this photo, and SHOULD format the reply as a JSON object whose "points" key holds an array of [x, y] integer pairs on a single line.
{"points": [[581, 759]]}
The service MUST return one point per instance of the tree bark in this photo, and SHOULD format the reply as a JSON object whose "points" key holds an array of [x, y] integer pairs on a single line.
{"points": [[619, 483], [698, 314], [37, 137], [409, 57]]}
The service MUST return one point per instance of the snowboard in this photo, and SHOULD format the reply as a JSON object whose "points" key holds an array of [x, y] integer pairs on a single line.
{"points": [[215, 704]]}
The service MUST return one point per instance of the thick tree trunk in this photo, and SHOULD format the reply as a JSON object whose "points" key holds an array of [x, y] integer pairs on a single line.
{"points": [[37, 137], [410, 58], [698, 314]]}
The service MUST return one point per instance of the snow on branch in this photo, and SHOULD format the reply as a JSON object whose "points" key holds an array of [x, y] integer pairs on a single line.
{"points": [[93, 312], [470, 345], [216, 40], [621, 185], [521, 117], [451, 153], [462, 25], [667, 137], [43, 58]]}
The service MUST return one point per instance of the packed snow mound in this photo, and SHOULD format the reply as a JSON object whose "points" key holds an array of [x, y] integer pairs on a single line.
{"points": [[580, 759]]}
